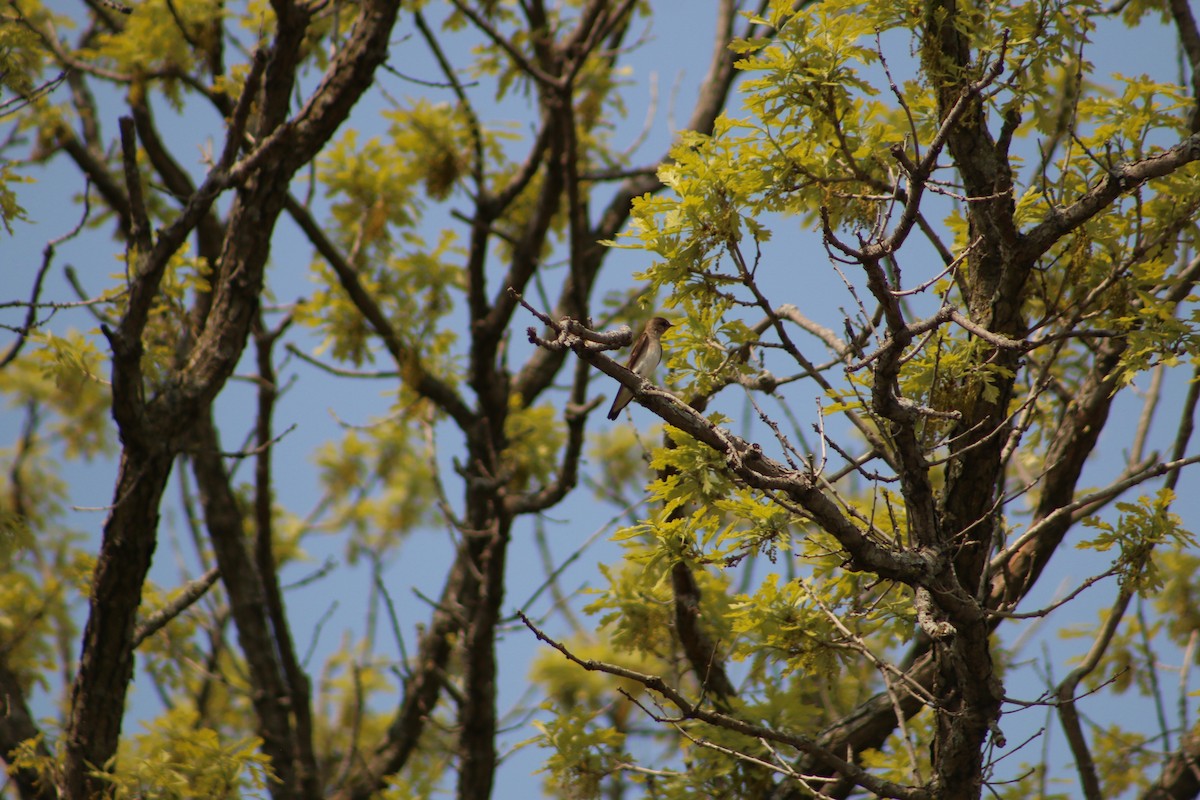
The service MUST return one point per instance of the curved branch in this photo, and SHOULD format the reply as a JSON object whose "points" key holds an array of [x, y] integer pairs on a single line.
{"points": [[1067, 713], [694, 711], [422, 382], [1121, 179]]}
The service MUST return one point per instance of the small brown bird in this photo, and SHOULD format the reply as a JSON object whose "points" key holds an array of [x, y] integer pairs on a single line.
{"points": [[647, 352]]}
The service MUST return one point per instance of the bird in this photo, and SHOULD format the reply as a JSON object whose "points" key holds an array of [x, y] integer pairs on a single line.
{"points": [[643, 359]]}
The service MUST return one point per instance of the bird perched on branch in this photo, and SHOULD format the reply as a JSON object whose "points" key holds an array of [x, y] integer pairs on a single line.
{"points": [[647, 352]]}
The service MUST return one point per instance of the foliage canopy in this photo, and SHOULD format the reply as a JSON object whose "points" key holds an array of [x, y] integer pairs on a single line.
{"points": [[939, 262]]}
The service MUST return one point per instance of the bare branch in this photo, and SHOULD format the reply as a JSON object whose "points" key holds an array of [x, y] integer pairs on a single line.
{"points": [[187, 597]]}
